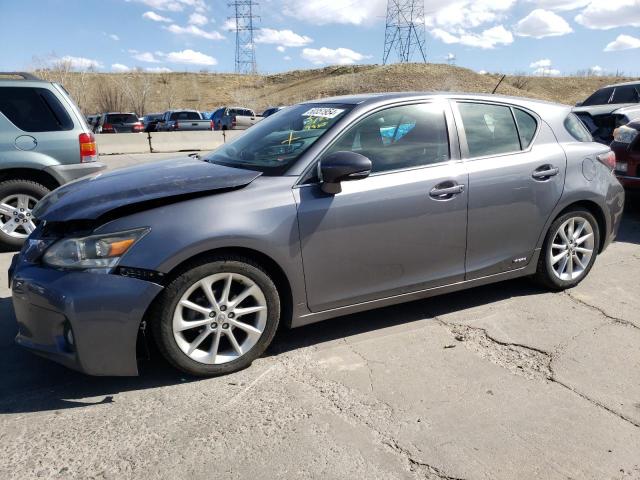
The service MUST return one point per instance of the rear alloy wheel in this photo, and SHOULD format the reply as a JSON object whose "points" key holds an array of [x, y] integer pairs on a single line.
{"points": [[570, 250], [218, 317], [17, 200]]}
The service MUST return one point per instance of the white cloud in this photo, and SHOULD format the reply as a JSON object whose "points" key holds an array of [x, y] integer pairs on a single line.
{"points": [[287, 58], [229, 25], [81, 63], [542, 23], [280, 48], [596, 70], [119, 67], [465, 14], [482, 72], [546, 72], [285, 38], [155, 17], [321, 12], [606, 14], [561, 5], [158, 70], [195, 31], [174, 5], [198, 19], [338, 56], [113, 36], [190, 57], [543, 62], [623, 42], [146, 57], [487, 39]]}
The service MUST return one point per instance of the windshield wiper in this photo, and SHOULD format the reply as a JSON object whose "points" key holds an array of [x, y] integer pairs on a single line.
{"points": [[194, 155]]}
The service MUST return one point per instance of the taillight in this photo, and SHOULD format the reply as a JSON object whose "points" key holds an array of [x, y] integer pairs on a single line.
{"points": [[88, 148], [176, 125], [138, 127], [608, 159], [211, 124], [108, 128], [233, 121]]}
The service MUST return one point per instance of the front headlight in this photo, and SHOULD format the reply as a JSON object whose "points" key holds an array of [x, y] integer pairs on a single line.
{"points": [[624, 134], [94, 252]]}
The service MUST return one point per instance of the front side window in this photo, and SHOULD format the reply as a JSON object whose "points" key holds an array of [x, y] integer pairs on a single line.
{"points": [[490, 129], [399, 137], [600, 97], [34, 109], [277, 142]]}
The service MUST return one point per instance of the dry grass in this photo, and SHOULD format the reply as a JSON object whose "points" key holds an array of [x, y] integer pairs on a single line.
{"points": [[205, 91]]}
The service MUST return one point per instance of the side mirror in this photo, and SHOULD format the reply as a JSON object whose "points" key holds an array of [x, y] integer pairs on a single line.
{"points": [[342, 167]]}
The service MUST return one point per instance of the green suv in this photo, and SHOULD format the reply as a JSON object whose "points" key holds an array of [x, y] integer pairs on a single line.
{"points": [[44, 142]]}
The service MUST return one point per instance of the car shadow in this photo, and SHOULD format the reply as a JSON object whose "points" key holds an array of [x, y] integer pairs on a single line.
{"points": [[630, 226], [31, 384]]}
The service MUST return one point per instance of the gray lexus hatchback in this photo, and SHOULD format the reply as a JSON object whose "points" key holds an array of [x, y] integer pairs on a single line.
{"points": [[327, 208]]}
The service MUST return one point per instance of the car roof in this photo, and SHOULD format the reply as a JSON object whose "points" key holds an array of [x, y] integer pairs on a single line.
{"points": [[632, 82], [361, 99]]}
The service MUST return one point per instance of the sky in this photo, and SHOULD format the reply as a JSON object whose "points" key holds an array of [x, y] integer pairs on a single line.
{"points": [[538, 37]]}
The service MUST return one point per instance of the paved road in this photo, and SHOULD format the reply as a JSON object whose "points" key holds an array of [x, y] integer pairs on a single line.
{"points": [[501, 382]]}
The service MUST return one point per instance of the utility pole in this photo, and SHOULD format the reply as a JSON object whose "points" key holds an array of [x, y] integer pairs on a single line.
{"points": [[405, 31], [245, 47]]}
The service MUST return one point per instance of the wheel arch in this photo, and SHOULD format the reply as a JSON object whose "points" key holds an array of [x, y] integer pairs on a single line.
{"points": [[32, 174], [595, 210]]}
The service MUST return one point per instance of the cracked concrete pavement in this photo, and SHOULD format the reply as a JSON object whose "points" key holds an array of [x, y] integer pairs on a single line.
{"points": [[499, 382]]}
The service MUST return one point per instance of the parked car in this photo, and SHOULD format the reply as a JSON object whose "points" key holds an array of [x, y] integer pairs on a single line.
{"points": [[271, 110], [44, 143], [117, 122], [385, 198], [626, 145], [608, 108], [183, 120], [150, 121], [234, 118]]}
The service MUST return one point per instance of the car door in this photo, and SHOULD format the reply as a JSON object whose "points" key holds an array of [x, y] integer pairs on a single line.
{"points": [[403, 228], [516, 176]]}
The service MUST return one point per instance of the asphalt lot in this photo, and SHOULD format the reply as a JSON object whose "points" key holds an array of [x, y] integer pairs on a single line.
{"points": [[505, 381]]}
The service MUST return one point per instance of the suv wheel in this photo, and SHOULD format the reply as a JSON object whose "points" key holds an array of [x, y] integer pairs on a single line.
{"points": [[17, 199], [569, 251], [217, 317]]}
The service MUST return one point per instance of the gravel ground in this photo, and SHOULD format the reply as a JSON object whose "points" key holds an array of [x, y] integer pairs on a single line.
{"points": [[499, 382]]}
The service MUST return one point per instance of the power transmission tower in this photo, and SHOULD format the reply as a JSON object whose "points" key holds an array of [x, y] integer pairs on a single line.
{"points": [[245, 48], [404, 32]]}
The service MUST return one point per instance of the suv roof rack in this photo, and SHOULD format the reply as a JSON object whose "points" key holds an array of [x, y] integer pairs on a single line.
{"points": [[24, 75]]}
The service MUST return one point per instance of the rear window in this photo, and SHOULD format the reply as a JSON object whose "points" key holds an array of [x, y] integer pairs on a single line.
{"points": [[527, 126], [626, 94], [185, 116], [241, 112], [490, 129], [34, 109], [600, 97], [122, 118], [577, 129]]}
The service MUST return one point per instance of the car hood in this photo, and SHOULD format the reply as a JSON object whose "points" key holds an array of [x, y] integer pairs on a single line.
{"points": [[136, 188], [602, 109]]}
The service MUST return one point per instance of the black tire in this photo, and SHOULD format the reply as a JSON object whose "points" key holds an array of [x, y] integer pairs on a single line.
{"points": [[545, 274], [12, 187], [162, 314]]}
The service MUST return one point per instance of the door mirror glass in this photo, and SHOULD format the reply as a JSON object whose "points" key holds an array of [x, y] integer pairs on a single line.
{"points": [[342, 167]]}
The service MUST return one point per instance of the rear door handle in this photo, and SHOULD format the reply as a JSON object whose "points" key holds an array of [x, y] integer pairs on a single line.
{"points": [[446, 190], [545, 172]]}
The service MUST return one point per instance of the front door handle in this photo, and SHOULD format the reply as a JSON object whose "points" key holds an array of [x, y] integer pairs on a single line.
{"points": [[446, 190], [545, 172]]}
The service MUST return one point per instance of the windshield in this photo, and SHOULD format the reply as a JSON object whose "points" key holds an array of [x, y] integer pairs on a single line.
{"points": [[274, 144]]}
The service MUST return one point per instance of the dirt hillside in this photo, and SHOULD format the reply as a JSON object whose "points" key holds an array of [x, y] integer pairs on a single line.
{"points": [[154, 92]]}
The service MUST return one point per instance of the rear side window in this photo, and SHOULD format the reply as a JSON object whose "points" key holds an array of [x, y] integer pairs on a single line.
{"points": [[122, 118], [185, 116], [600, 97], [577, 129], [490, 129], [527, 126], [34, 109], [626, 94]]}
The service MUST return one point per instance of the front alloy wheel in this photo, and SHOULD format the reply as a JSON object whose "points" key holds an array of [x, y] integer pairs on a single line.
{"points": [[217, 316]]}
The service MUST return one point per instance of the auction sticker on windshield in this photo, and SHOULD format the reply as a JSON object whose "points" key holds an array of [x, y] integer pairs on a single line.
{"points": [[323, 112]]}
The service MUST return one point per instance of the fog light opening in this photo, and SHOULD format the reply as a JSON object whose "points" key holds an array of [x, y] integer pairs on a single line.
{"points": [[69, 338]]}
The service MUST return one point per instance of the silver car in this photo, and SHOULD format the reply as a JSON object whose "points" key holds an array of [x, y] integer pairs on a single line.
{"points": [[327, 208]]}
